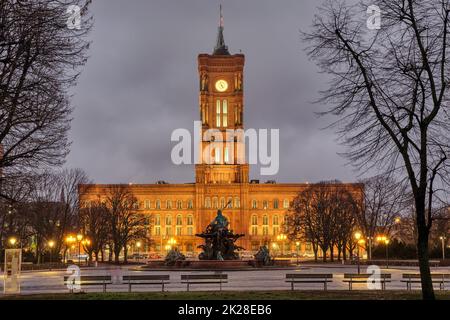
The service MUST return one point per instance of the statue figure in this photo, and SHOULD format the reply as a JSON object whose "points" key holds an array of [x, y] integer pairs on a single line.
{"points": [[219, 240], [263, 256], [173, 256], [204, 82]]}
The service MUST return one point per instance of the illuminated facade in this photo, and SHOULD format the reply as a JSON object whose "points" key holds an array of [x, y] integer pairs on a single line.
{"points": [[180, 211]]}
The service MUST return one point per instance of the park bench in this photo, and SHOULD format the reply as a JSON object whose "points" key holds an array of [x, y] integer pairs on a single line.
{"points": [[352, 278], [160, 280], [88, 281], [294, 278], [190, 279], [410, 278]]}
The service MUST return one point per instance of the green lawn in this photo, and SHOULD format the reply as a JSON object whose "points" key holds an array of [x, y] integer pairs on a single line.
{"points": [[236, 295]]}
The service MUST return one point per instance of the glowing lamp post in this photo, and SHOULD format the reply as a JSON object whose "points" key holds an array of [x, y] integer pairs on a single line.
{"points": [[357, 236], [12, 241], [297, 245], [281, 238], [79, 238], [51, 245], [138, 246], [386, 241], [443, 238]]}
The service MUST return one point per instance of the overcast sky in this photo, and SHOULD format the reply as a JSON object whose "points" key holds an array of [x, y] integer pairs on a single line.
{"points": [[141, 83]]}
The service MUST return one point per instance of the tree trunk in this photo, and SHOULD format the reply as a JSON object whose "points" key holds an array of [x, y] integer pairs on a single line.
{"points": [[125, 254], [424, 265]]}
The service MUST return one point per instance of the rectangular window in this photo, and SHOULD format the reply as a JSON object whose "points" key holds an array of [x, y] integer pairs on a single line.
{"points": [[218, 114], [168, 231], [157, 231], [217, 156], [254, 230], [190, 231], [179, 231], [227, 156], [265, 230], [225, 113]]}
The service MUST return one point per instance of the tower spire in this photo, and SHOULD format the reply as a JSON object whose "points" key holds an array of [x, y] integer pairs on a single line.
{"points": [[221, 48]]}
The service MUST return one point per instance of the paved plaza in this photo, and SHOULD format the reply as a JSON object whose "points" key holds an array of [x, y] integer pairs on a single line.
{"points": [[254, 280]]}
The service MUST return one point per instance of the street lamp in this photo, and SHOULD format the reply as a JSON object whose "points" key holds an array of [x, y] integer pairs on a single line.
{"points": [[297, 245], [357, 236], [51, 244], [138, 246], [443, 238], [79, 238], [281, 238], [12, 241], [386, 242]]}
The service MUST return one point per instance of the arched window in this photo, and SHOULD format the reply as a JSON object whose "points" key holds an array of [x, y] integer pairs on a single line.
{"points": [[230, 203], [218, 113], [169, 204], [179, 220], [215, 203], [265, 204], [207, 203], [157, 220], [179, 204], [275, 220], [237, 203], [217, 157], [254, 220], [254, 204], [265, 220], [190, 220], [158, 204], [227, 156], [168, 220], [222, 203], [286, 204], [147, 204], [190, 204], [225, 113], [254, 229], [275, 204]]}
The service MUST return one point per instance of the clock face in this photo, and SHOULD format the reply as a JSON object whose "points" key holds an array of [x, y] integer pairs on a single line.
{"points": [[221, 86]]}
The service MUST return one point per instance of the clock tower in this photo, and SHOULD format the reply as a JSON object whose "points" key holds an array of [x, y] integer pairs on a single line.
{"points": [[221, 104]]}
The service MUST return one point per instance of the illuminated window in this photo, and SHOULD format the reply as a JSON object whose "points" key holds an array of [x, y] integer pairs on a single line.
{"points": [[276, 230], [169, 204], [218, 113], [222, 203], [265, 220], [275, 204], [207, 203], [254, 220], [157, 231], [254, 204], [179, 204], [158, 204], [230, 203], [179, 231], [254, 230], [265, 204], [190, 204], [168, 220], [147, 204], [215, 203], [190, 220], [286, 204], [217, 156], [237, 203], [265, 230], [157, 220], [179, 220], [275, 221], [190, 231], [168, 231], [227, 156], [225, 113]]}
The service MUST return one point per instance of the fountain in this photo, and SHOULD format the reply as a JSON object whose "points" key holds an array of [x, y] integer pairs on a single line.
{"points": [[219, 241]]}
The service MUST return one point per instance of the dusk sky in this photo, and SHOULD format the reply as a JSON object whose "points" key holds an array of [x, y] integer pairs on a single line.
{"points": [[141, 83]]}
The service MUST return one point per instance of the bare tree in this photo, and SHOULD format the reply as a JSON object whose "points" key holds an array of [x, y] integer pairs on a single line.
{"points": [[95, 223], [40, 54], [125, 222], [323, 215], [385, 200], [389, 92]]}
